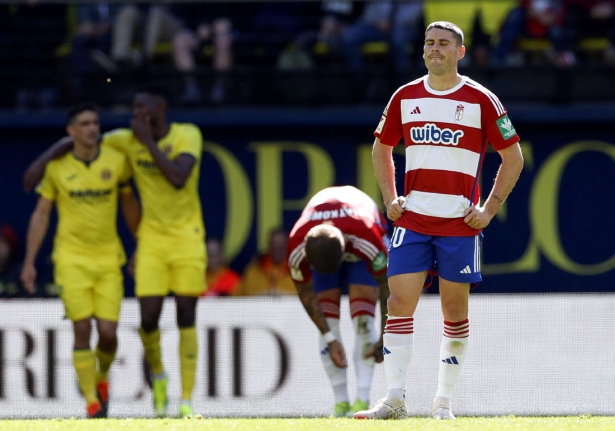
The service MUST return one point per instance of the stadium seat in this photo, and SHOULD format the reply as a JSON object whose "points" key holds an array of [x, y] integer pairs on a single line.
{"points": [[534, 45], [493, 14], [594, 44], [460, 12]]}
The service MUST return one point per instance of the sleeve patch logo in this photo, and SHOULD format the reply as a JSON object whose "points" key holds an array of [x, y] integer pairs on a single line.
{"points": [[382, 121], [505, 127], [296, 274], [380, 262]]}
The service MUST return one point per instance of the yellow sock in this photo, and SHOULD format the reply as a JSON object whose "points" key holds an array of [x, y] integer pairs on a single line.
{"points": [[188, 349], [151, 345], [85, 366], [105, 359]]}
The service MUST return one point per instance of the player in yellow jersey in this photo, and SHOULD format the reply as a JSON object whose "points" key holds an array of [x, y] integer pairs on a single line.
{"points": [[170, 256], [87, 252]]}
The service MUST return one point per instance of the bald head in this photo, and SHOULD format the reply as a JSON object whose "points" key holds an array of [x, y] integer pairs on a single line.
{"points": [[324, 248]]}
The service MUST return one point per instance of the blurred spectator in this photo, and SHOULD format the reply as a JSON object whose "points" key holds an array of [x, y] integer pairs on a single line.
{"points": [[203, 23], [395, 22], [10, 266], [336, 15], [33, 31], [221, 280], [535, 19], [147, 25], [274, 26], [268, 273], [91, 41], [592, 19]]}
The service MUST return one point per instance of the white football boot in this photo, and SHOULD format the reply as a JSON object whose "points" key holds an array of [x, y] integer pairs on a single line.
{"points": [[441, 409], [385, 408]]}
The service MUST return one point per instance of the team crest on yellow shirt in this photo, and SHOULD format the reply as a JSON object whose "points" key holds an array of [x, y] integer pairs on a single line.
{"points": [[167, 149], [105, 174], [459, 113]]}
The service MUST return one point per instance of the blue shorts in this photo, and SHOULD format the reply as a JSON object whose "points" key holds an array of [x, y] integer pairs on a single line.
{"points": [[349, 273], [454, 258]]}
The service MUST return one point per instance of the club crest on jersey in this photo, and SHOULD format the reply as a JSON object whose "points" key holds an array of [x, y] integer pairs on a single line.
{"points": [[105, 174], [432, 134], [459, 113], [167, 149]]}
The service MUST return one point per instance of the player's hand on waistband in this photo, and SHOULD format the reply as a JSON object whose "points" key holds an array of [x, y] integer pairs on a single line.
{"points": [[396, 208], [476, 217]]}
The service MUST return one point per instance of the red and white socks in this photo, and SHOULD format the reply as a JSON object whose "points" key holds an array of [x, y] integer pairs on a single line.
{"points": [[452, 355], [398, 346]]}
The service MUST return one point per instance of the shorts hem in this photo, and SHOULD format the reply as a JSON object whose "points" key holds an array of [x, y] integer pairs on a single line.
{"points": [[390, 274]]}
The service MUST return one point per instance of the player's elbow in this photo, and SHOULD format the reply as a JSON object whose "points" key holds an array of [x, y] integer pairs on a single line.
{"points": [[519, 163], [178, 184], [178, 181]]}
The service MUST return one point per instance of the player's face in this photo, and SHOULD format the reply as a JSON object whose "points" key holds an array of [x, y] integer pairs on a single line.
{"points": [[144, 107], [85, 128], [441, 52]]}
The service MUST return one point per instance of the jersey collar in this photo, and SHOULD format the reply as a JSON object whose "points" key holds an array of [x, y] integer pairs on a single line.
{"points": [[443, 92]]}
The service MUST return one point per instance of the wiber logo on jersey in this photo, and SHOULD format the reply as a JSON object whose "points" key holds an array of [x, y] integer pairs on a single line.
{"points": [[432, 134]]}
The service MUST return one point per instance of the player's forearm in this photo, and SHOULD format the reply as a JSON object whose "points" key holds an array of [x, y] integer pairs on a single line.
{"points": [[383, 285], [176, 174], [312, 306], [35, 171], [384, 170], [505, 180], [131, 211], [37, 230]]}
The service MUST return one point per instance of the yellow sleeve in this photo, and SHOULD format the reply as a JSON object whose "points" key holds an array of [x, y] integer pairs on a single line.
{"points": [[191, 142], [47, 187], [117, 139]]}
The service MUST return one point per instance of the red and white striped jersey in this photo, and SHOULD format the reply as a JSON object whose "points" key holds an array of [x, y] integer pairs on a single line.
{"points": [[445, 135], [356, 215]]}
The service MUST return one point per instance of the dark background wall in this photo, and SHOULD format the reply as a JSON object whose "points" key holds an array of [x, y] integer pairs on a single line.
{"points": [[260, 167]]}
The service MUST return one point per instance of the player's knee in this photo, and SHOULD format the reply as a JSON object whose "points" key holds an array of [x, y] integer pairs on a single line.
{"points": [[82, 331], [149, 323], [107, 336], [186, 318]]}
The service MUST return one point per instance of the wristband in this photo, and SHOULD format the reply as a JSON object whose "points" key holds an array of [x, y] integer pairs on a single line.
{"points": [[329, 336]]}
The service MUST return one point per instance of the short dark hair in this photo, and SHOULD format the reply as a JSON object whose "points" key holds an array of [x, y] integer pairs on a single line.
{"points": [[154, 89], [324, 248], [77, 109], [445, 25]]}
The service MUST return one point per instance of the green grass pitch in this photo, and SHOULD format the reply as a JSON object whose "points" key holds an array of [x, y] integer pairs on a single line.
{"points": [[304, 424]]}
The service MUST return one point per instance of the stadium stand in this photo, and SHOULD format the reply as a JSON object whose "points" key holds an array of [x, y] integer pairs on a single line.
{"points": [[267, 71]]}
